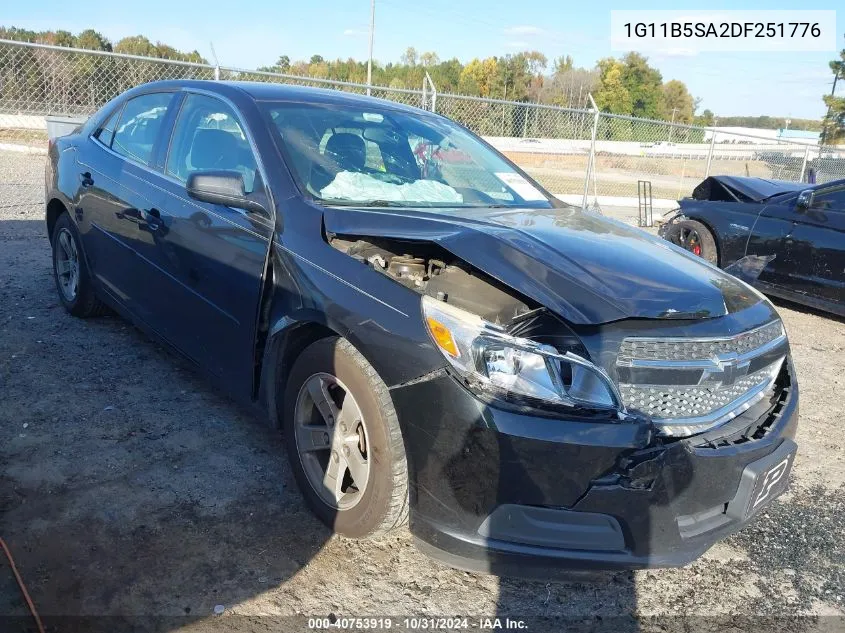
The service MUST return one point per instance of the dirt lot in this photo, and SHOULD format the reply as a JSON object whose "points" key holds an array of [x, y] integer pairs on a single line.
{"points": [[130, 488], [617, 175]]}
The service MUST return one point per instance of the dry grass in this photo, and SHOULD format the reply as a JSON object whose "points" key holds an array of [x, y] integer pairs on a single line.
{"points": [[22, 136]]}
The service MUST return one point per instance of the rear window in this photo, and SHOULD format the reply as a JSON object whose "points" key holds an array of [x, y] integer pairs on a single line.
{"points": [[106, 132], [139, 125]]}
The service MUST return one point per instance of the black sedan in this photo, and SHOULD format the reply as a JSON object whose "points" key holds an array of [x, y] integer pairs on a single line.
{"points": [[786, 238], [536, 387]]}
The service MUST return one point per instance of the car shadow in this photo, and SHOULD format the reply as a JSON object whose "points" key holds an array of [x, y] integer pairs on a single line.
{"points": [[135, 497], [129, 487]]}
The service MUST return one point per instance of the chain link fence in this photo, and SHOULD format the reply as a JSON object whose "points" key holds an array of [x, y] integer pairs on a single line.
{"points": [[582, 155]]}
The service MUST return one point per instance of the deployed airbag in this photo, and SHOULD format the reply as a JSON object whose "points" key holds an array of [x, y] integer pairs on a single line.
{"points": [[349, 185]]}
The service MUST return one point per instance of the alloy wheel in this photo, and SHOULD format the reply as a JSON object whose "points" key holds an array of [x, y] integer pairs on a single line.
{"points": [[690, 240], [331, 440], [67, 264]]}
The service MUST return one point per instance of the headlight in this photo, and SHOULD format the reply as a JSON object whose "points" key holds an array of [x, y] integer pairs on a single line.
{"points": [[516, 368]]}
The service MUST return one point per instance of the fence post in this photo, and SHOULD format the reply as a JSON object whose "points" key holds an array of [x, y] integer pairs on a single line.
{"points": [[710, 155], [428, 83], [216, 63], [804, 164], [590, 162]]}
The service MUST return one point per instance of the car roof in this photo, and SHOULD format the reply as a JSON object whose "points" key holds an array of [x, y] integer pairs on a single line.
{"points": [[265, 91]]}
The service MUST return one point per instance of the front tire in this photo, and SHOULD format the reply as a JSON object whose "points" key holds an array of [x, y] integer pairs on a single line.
{"points": [[344, 441], [73, 281], [696, 238]]}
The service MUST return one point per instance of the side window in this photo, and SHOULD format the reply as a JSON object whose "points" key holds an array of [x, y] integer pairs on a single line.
{"points": [[208, 136], [139, 125], [106, 132], [833, 199]]}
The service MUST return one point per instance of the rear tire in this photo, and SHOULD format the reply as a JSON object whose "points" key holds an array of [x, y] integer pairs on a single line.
{"points": [[696, 238], [344, 441], [70, 271]]}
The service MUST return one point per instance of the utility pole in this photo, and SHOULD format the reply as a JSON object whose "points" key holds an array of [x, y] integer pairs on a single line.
{"points": [[372, 33]]}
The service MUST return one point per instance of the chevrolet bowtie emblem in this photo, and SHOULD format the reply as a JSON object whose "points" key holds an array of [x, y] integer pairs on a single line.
{"points": [[727, 369]]}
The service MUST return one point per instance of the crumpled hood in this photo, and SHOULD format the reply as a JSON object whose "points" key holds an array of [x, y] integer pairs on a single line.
{"points": [[755, 189], [586, 268]]}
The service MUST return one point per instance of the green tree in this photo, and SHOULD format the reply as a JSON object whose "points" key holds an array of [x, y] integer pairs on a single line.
{"points": [[563, 64], [706, 119], [833, 125], [645, 86], [92, 40], [480, 76], [136, 45], [612, 94], [677, 99]]}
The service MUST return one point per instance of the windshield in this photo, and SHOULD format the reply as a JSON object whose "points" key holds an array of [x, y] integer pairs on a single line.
{"points": [[349, 155]]}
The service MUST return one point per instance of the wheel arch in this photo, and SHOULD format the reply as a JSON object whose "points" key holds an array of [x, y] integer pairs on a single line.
{"points": [[285, 342], [55, 207]]}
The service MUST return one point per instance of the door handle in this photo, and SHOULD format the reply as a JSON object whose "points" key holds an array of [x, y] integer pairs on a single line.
{"points": [[85, 179], [152, 218]]}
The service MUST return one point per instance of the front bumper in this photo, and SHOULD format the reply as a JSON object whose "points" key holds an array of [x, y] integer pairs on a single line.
{"points": [[514, 494]]}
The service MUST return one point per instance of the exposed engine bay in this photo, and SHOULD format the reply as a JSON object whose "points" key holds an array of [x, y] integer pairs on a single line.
{"points": [[433, 271]]}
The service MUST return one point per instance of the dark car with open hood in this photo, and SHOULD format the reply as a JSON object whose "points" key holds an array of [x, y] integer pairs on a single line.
{"points": [[441, 341], [785, 238]]}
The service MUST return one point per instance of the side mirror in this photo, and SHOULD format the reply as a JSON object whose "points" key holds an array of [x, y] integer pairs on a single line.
{"points": [[805, 200], [224, 187]]}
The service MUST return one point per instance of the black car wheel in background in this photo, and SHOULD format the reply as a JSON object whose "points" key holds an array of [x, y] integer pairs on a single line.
{"points": [[696, 238]]}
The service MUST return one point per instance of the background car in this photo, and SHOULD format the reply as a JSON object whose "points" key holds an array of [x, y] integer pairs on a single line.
{"points": [[785, 238]]}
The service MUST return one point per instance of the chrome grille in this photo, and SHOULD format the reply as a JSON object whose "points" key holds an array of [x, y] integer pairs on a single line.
{"points": [[697, 349], [688, 385], [686, 401]]}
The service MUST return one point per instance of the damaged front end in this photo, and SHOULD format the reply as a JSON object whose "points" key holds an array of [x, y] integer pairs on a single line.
{"points": [[546, 443], [503, 347]]}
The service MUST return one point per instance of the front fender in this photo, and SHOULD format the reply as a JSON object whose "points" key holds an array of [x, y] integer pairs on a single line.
{"points": [[380, 317]]}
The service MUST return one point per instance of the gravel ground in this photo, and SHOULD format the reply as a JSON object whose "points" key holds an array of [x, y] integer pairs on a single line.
{"points": [[131, 488]]}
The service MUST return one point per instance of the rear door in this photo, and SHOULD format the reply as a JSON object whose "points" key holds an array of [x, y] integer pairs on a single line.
{"points": [[113, 214], [818, 240], [212, 256], [806, 247]]}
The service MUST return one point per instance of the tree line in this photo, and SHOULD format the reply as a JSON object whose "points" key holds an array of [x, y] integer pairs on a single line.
{"points": [[628, 85], [90, 39]]}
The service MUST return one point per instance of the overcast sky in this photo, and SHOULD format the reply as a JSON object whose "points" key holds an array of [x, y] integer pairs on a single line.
{"points": [[256, 33]]}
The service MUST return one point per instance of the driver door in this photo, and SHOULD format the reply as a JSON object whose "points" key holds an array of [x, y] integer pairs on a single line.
{"points": [[818, 241], [774, 256], [210, 257]]}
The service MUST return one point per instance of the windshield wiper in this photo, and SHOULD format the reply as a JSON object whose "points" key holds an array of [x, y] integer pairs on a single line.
{"points": [[362, 203]]}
